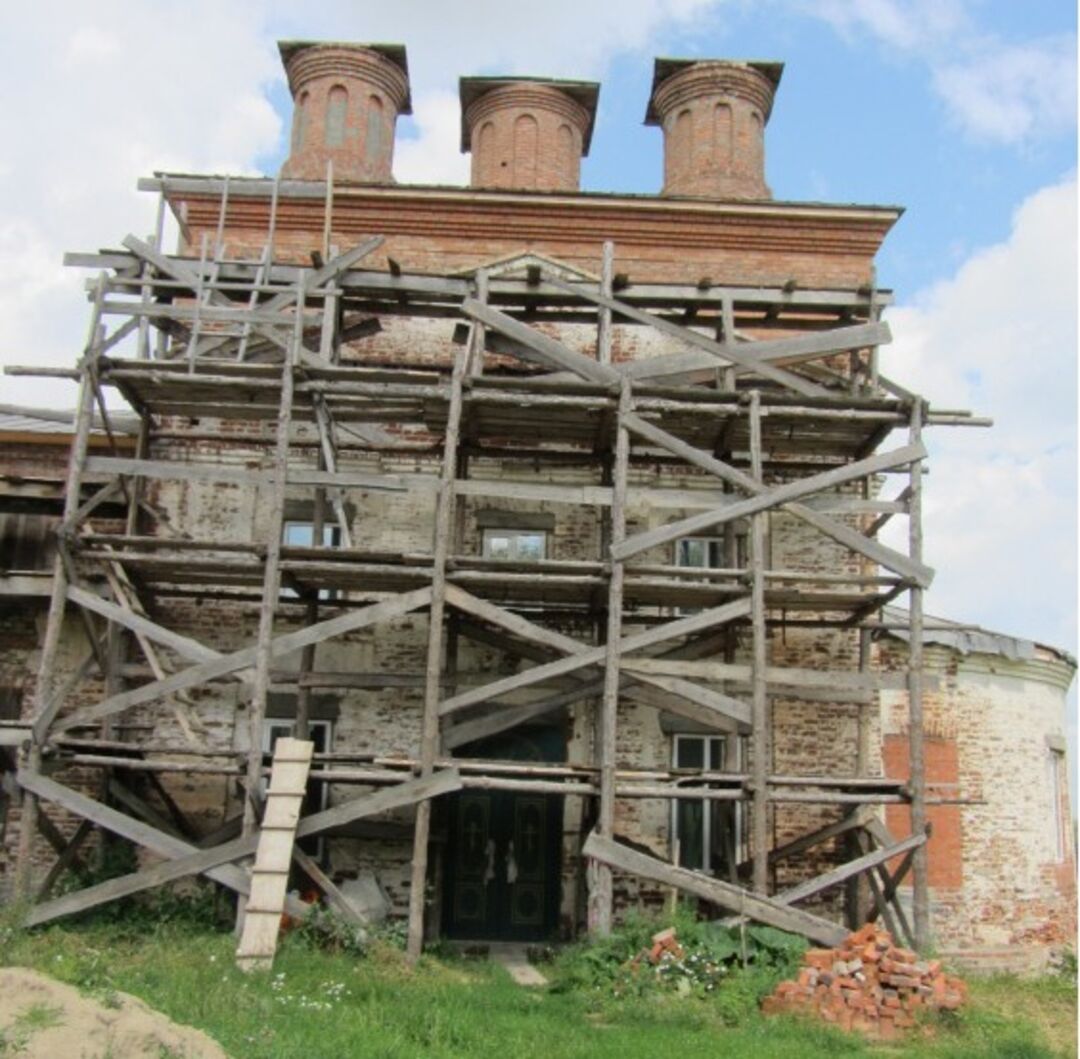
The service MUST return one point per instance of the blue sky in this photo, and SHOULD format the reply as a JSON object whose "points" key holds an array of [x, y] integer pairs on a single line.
{"points": [[962, 111]]}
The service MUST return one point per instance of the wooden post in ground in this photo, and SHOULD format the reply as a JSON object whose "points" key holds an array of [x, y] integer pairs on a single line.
{"points": [[46, 676], [601, 897], [429, 737], [858, 896], [759, 822], [272, 571], [920, 867]]}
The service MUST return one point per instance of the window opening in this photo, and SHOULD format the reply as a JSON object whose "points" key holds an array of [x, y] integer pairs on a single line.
{"points": [[515, 544], [298, 533], [709, 835], [1056, 772]]}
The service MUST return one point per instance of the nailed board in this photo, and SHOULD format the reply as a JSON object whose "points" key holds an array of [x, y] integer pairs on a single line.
{"points": [[270, 875]]}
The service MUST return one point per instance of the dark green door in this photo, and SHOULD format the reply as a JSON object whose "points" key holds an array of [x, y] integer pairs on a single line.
{"points": [[502, 865]]}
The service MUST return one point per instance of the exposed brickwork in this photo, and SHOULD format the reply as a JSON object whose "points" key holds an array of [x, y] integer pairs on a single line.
{"points": [[945, 850], [713, 115], [997, 878], [347, 99], [526, 135], [1001, 888]]}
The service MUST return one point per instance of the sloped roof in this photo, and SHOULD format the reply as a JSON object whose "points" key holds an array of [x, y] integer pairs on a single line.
{"points": [[18, 419], [970, 639]]}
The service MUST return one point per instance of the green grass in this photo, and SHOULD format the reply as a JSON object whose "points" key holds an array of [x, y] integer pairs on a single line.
{"points": [[315, 1003]]}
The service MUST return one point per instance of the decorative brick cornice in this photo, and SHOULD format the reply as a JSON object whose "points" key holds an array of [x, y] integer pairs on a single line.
{"points": [[527, 95], [353, 61], [715, 78]]}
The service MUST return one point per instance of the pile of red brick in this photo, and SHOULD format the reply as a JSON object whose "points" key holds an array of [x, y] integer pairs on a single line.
{"points": [[868, 984], [663, 942]]}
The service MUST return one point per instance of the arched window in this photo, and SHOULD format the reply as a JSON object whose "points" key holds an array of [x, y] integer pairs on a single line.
{"points": [[300, 121], [373, 134], [757, 142], [525, 141], [336, 104], [564, 146], [484, 153], [680, 144], [724, 137]]}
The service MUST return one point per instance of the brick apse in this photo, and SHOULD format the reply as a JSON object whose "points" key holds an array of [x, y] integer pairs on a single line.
{"points": [[550, 516]]}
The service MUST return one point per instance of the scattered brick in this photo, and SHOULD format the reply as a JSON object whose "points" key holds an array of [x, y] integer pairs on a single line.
{"points": [[867, 985]]}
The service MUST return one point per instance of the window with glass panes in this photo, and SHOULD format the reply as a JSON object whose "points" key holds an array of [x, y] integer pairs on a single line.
{"points": [[523, 545], [299, 533], [708, 835], [707, 553]]}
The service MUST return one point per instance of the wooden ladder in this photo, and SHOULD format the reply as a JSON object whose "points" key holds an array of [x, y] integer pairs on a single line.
{"points": [[270, 875]]}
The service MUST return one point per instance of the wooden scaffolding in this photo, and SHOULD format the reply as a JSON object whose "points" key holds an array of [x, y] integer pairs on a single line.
{"points": [[774, 425]]}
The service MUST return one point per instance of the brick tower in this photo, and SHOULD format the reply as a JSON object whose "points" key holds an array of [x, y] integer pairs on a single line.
{"points": [[713, 113], [347, 98], [527, 133]]}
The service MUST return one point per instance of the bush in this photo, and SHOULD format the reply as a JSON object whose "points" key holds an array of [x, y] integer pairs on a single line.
{"points": [[734, 967]]}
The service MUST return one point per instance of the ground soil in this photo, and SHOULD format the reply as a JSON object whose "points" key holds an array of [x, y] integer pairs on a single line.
{"points": [[41, 1018]]}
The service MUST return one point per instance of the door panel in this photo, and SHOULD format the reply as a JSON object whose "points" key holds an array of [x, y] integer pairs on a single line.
{"points": [[502, 864]]}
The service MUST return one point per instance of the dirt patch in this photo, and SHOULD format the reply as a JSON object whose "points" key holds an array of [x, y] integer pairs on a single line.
{"points": [[41, 1018]]}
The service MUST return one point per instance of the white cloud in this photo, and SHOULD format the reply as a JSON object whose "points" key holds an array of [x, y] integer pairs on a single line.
{"points": [[434, 155], [994, 90], [1013, 93], [1000, 337], [164, 87], [901, 23], [110, 93]]}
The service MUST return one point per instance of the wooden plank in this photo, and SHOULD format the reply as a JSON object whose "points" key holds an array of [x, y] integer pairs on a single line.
{"points": [[916, 742], [601, 891], [184, 646], [603, 322], [46, 715], [913, 569], [47, 702], [727, 352], [121, 824], [726, 706], [593, 656], [519, 626], [68, 858], [753, 906], [231, 663], [270, 872], [858, 542], [199, 472], [507, 716], [434, 663], [175, 469], [412, 792], [847, 871], [334, 897], [194, 861], [816, 837], [182, 272], [770, 498], [785, 676], [817, 344], [761, 725], [547, 350]]}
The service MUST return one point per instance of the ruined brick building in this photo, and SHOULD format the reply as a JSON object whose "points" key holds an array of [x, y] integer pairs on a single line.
{"points": [[550, 516]]}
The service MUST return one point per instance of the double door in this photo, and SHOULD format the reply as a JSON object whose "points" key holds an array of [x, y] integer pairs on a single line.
{"points": [[502, 861]]}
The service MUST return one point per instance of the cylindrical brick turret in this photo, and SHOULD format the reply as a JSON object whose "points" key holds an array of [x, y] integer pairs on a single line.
{"points": [[713, 113], [527, 132], [346, 100]]}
